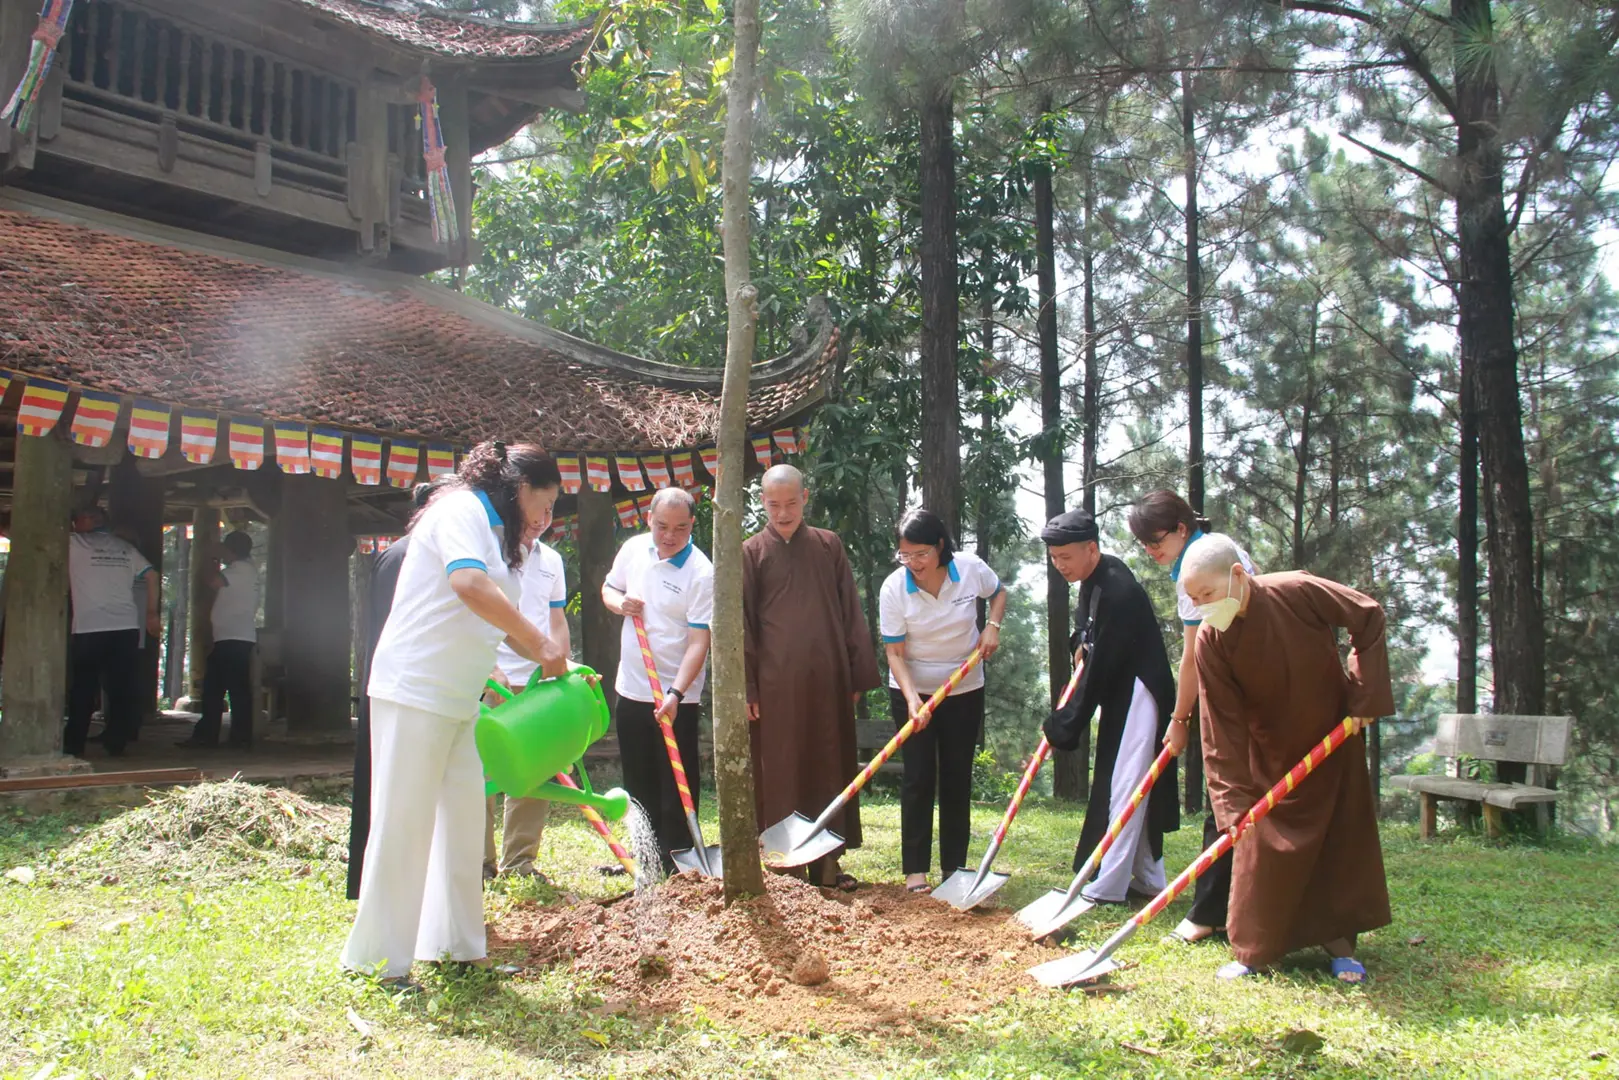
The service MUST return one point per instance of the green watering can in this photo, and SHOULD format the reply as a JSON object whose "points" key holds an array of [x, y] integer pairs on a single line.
{"points": [[532, 736]]}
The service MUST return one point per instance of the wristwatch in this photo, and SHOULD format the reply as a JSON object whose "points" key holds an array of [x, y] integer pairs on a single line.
{"points": [[678, 695]]}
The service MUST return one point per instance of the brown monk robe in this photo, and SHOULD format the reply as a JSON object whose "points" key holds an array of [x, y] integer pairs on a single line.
{"points": [[1310, 873], [809, 654]]}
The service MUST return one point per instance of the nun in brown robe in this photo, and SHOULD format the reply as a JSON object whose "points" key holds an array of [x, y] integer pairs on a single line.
{"points": [[809, 654], [1311, 872]]}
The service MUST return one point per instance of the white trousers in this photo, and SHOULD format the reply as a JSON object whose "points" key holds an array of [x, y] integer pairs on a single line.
{"points": [[422, 893], [1129, 861]]}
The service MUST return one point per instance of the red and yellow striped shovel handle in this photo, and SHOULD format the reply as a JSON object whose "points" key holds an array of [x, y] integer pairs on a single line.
{"points": [[601, 827], [664, 723], [1137, 797], [1033, 768]]}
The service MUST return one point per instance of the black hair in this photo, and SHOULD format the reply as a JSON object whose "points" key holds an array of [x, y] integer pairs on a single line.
{"points": [[238, 543], [922, 526], [1162, 512], [497, 470]]}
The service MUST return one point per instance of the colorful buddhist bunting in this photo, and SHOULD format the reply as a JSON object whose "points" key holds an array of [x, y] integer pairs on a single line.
{"points": [[568, 465], [643, 504], [761, 449], [446, 228], [365, 458], [94, 419], [626, 512], [440, 460], [199, 436], [629, 473], [148, 429], [5, 383], [685, 471], [246, 442], [596, 472], [42, 404], [291, 447], [657, 471], [402, 459], [787, 440], [24, 101], [326, 452], [711, 460]]}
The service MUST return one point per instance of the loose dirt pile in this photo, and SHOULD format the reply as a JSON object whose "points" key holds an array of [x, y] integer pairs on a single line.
{"points": [[796, 959]]}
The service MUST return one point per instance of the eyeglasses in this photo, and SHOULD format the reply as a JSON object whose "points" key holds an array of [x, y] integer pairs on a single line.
{"points": [[1156, 541], [909, 557]]}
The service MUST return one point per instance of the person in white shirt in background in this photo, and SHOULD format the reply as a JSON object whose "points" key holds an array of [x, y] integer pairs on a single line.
{"points": [[421, 897], [666, 580], [103, 572], [229, 670], [544, 603]]}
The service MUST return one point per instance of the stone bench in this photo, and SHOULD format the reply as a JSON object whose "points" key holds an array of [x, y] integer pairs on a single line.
{"points": [[1541, 742]]}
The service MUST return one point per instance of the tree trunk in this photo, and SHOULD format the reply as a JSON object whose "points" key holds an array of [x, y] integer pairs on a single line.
{"points": [[941, 311], [733, 759], [1091, 403], [1069, 771], [1193, 757], [1467, 552], [986, 417], [1489, 358]]}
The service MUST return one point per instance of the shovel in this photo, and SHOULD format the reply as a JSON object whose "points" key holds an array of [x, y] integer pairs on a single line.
{"points": [[798, 841], [1091, 965], [966, 889], [1059, 907], [703, 859], [601, 826]]}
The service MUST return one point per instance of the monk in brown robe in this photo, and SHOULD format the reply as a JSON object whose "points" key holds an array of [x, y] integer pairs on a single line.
{"points": [[809, 657], [1311, 872]]}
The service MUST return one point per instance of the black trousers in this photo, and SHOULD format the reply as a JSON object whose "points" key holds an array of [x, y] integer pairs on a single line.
{"points": [[108, 660], [229, 671], [938, 759], [1213, 888], [650, 779]]}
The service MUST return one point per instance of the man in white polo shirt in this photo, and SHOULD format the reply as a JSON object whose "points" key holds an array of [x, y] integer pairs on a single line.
{"points": [[103, 572], [229, 671], [664, 579], [544, 603]]}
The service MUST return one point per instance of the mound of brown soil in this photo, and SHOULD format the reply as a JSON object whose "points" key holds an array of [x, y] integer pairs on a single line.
{"points": [[796, 959]]}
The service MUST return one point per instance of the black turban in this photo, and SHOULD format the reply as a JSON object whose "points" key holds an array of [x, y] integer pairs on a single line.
{"points": [[1074, 527]]}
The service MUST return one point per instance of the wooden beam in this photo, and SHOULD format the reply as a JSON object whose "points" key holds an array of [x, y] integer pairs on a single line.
{"points": [[143, 777], [204, 560], [600, 627]]}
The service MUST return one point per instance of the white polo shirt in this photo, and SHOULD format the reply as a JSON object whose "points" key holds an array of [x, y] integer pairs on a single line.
{"points": [[1183, 603], [679, 597], [938, 631], [434, 653], [544, 588], [103, 573], [236, 606]]}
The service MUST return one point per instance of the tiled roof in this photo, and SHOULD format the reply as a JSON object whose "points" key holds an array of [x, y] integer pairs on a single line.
{"points": [[449, 34], [374, 351]]}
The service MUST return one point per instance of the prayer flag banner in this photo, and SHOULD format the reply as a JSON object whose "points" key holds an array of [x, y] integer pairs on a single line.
{"points": [[367, 545], [644, 505], [596, 472], [626, 512], [761, 450], [292, 447], [629, 473], [42, 405], [657, 471], [711, 460], [94, 419], [365, 459], [787, 440], [149, 429], [440, 460], [402, 460], [246, 443], [5, 383], [326, 453], [685, 471], [199, 436], [568, 465]]}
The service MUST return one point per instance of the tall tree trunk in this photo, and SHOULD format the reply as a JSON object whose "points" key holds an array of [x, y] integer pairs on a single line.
{"points": [[1467, 552], [1091, 402], [1193, 757], [941, 307], [733, 759], [986, 415], [1069, 771], [1489, 358]]}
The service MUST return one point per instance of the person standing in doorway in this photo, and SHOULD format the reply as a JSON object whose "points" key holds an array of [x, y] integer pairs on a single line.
{"points": [[230, 662], [103, 574]]}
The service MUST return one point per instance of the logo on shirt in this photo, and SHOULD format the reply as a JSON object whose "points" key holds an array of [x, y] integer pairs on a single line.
{"points": [[670, 586]]}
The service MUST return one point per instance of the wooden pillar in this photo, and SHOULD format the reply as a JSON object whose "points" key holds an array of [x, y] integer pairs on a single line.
{"points": [[455, 121], [596, 550], [204, 558], [135, 503], [17, 22], [174, 678], [35, 689], [315, 644]]}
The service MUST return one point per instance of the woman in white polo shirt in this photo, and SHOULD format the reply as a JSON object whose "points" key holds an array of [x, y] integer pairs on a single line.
{"points": [[929, 625], [422, 894]]}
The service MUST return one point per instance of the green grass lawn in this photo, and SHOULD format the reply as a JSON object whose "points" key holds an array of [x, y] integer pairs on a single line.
{"points": [[1501, 961]]}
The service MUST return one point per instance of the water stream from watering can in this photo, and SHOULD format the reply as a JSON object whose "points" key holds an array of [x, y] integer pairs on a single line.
{"points": [[650, 920]]}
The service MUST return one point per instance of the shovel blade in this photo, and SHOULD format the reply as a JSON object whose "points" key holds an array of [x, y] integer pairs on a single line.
{"points": [[692, 859], [1053, 911], [793, 841], [1072, 970], [957, 889]]}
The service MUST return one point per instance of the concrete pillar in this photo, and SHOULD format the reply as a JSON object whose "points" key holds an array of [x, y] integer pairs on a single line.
{"points": [[135, 503], [204, 559], [316, 649], [601, 628], [174, 679], [35, 692]]}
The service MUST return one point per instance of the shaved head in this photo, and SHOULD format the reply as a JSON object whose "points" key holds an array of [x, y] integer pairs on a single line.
{"points": [[784, 499], [779, 475]]}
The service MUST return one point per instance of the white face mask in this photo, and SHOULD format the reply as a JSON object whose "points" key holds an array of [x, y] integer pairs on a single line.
{"points": [[1222, 613]]}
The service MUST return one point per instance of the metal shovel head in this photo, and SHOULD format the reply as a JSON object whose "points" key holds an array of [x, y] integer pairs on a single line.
{"points": [[957, 889], [691, 859], [1053, 911], [1071, 970], [793, 842]]}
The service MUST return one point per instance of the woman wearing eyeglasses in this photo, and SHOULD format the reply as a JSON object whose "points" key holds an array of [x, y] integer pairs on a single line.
{"points": [[929, 625]]}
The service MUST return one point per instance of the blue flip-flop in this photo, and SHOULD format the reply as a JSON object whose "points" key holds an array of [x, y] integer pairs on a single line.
{"points": [[1236, 969], [1348, 965]]}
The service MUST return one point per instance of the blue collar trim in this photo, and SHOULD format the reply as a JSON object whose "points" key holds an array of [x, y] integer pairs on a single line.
{"points": [[1175, 571], [495, 521], [910, 578], [678, 560]]}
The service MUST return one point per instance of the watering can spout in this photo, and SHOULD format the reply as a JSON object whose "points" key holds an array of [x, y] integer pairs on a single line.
{"points": [[612, 804]]}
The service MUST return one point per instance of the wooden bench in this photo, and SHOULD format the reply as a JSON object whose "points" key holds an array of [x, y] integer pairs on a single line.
{"points": [[1541, 742]]}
